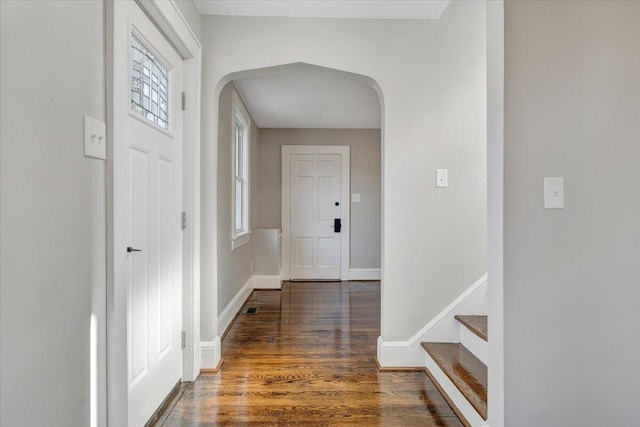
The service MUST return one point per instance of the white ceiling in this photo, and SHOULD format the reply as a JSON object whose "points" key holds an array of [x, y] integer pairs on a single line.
{"points": [[307, 98], [373, 9]]}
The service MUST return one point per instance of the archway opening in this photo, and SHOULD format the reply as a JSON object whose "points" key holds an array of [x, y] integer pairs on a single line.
{"points": [[261, 111]]}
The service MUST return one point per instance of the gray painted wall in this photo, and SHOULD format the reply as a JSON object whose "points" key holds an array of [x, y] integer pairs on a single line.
{"points": [[365, 179], [234, 268], [52, 217], [571, 277], [432, 75]]}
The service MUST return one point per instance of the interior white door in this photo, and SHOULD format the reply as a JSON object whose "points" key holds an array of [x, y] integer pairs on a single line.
{"points": [[315, 204], [153, 197]]}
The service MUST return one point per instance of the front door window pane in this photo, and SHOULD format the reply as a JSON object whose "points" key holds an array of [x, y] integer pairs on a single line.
{"points": [[149, 84]]}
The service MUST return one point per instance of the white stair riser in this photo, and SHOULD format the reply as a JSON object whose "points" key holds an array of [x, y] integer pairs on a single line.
{"points": [[461, 402], [476, 345]]}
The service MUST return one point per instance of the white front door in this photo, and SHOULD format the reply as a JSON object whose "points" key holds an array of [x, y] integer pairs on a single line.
{"points": [[315, 181], [151, 161]]}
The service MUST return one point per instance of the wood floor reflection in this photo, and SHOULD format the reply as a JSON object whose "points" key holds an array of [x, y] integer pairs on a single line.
{"points": [[308, 358]]}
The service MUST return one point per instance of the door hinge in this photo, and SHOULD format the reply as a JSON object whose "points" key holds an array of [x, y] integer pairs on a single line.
{"points": [[183, 220], [184, 101], [183, 339]]}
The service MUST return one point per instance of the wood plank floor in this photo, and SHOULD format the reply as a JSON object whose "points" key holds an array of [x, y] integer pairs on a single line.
{"points": [[308, 358]]}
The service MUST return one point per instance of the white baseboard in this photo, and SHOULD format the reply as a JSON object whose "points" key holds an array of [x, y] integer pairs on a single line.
{"points": [[364, 274], [442, 328], [267, 282], [226, 316], [210, 354], [399, 354], [235, 305]]}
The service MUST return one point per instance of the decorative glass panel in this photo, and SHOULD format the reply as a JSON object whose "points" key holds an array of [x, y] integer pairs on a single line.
{"points": [[149, 84]]}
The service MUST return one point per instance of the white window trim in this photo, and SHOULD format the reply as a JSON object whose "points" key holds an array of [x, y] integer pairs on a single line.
{"points": [[243, 237]]}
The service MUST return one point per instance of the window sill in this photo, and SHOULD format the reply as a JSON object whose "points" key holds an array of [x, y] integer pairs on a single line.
{"points": [[240, 240]]}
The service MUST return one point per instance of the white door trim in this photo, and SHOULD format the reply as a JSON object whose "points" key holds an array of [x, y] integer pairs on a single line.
{"points": [[345, 152], [167, 17]]}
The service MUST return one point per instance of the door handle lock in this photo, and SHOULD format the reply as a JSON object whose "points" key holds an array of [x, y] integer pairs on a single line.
{"points": [[337, 225], [130, 249]]}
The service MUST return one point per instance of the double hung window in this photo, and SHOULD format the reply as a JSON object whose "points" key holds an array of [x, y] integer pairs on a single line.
{"points": [[241, 128]]}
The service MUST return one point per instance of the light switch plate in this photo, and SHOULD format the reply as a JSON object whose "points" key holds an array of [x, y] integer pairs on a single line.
{"points": [[442, 178], [95, 138], [554, 193], [355, 198]]}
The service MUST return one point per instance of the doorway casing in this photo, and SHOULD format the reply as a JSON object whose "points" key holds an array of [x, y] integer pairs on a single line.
{"points": [[210, 345], [169, 20]]}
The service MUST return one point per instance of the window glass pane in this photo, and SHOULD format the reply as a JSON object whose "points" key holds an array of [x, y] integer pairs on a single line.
{"points": [[239, 150], [149, 84], [239, 202]]}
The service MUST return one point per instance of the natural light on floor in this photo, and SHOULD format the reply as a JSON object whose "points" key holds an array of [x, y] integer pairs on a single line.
{"points": [[93, 371]]}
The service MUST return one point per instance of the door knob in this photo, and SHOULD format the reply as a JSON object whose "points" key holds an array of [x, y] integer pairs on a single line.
{"points": [[130, 249]]}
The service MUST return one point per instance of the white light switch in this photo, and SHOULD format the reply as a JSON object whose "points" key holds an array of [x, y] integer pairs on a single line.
{"points": [[442, 178], [95, 141], [355, 198], [554, 193]]}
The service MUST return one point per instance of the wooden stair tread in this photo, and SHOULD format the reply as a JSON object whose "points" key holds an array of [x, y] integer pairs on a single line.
{"points": [[476, 324], [465, 370]]}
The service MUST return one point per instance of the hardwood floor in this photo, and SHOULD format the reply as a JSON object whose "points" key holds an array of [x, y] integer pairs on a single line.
{"points": [[308, 358]]}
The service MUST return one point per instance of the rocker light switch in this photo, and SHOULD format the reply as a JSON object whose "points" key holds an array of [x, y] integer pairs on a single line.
{"points": [[442, 178], [554, 193], [355, 198], [95, 141]]}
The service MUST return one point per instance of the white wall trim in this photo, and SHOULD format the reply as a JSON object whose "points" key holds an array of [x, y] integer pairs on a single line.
{"points": [[226, 316], [365, 274], [235, 305], [240, 240], [210, 353], [171, 22], [442, 328], [345, 246], [267, 282], [239, 114]]}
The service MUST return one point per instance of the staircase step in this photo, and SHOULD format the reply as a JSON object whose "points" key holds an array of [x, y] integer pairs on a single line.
{"points": [[476, 324], [464, 370]]}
